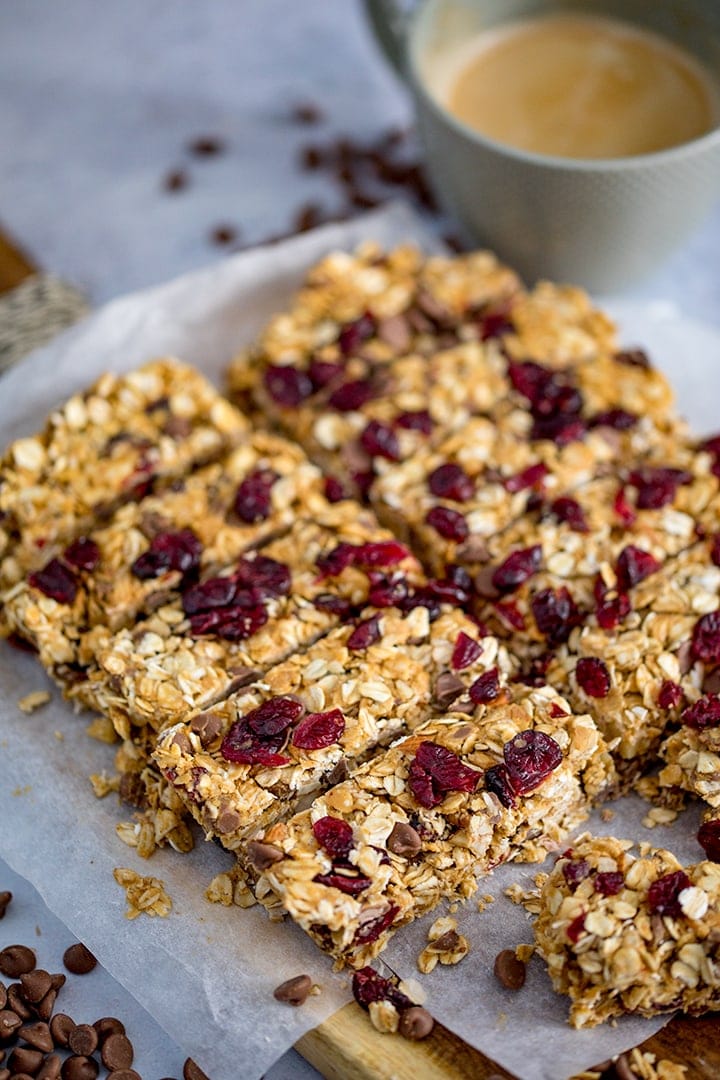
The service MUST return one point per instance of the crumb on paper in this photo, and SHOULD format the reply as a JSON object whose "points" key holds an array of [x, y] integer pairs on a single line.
{"points": [[659, 815], [102, 729], [34, 700], [230, 888], [524, 952], [607, 814], [102, 784], [59, 736], [528, 898], [145, 895], [22, 790], [445, 945]]}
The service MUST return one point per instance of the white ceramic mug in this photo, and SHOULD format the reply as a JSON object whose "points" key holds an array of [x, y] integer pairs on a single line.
{"points": [[601, 223]]}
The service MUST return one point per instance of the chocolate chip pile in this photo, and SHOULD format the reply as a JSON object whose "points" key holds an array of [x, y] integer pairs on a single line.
{"points": [[36, 1041]]}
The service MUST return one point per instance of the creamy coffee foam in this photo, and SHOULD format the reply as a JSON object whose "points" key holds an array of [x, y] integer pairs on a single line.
{"points": [[580, 87]]}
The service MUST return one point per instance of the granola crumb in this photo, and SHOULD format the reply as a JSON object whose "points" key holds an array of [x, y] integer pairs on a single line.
{"points": [[524, 952], [59, 736], [528, 898], [34, 700], [145, 895], [102, 784], [384, 1017], [413, 989], [101, 728], [659, 816], [607, 814]]}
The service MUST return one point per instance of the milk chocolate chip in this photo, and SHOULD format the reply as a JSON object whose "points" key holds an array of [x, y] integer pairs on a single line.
{"points": [[294, 991], [509, 970], [79, 960], [16, 960], [415, 1023], [404, 840]]}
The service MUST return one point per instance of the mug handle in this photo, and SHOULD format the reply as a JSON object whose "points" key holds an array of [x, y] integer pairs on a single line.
{"points": [[389, 21]]}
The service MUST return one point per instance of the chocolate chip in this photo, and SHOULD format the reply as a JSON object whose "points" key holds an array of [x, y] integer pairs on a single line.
{"points": [[447, 688], [132, 789], [117, 1052], [58, 980], [38, 1036], [483, 583], [207, 726], [294, 991], [404, 840], [83, 1040], [227, 821], [3, 998], [80, 1068], [79, 960], [307, 217], [509, 970], [192, 1071], [415, 1023], [224, 234], [5, 898], [623, 1071], [446, 942], [9, 1023], [4, 1074], [175, 180], [51, 1068], [45, 1007], [16, 960], [260, 855], [35, 985], [307, 112], [206, 146], [16, 1001], [181, 739], [124, 1074], [24, 1060], [108, 1025], [60, 1028], [394, 330]]}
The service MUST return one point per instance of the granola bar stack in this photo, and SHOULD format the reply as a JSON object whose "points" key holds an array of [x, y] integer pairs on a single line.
{"points": [[446, 579]]}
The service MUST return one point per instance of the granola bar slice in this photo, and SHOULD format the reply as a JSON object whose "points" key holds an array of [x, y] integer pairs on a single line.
{"points": [[149, 549], [692, 754], [328, 709], [417, 823], [626, 934], [197, 648]]}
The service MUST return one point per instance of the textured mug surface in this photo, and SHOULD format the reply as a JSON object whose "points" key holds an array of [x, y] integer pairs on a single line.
{"points": [[603, 224]]}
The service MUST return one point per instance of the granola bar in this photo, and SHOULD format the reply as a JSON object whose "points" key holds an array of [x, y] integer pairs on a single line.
{"points": [[150, 548], [328, 709], [196, 649], [417, 823], [626, 934], [692, 754], [102, 448]]}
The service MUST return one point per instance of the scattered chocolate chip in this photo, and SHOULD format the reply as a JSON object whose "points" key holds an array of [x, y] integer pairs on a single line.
{"points": [[307, 217], [206, 146], [404, 840], [192, 1071], [176, 180], [108, 1025], [51, 1068], [80, 1068], [123, 1074], [5, 898], [83, 1040], [3, 1001], [16, 960], [44, 1008], [224, 234], [446, 942], [509, 970], [415, 1023], [311, 157], [294, 991], [58, 980], [35, 985], [38, 1036], [16, 1001], [4, 1074], [9, 1023], [447, 688], [307, 112], [207, 726], [79, 960], [260, 855], [117, 1052], [25, 1060], [60, 1028]]}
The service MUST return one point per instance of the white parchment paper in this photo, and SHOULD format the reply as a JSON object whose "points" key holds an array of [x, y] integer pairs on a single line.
{"points": [[206, 973]]}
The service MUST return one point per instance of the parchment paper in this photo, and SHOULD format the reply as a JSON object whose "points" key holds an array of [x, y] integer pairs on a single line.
{"points": [[206, 973]]}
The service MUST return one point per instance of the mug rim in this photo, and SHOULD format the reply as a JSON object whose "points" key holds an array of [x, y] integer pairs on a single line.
{"points": [[690, 148]]}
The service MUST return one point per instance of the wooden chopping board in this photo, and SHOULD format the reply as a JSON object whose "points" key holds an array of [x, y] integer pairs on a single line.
{"points": [[347, 1047]]}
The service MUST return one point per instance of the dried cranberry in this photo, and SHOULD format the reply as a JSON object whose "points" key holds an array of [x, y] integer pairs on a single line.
{"points": [[450, 481], [610, 610], [334, 491], [593, 676], [334, 605], [286, 385], [663, 894], [353, 334], [558, 428], [419, 420], [576, 928], [656, 487], [494, 324], [623, 509], [179, 551], [618, 419], [319, 729], [436, 770], [670, 695], [379, 440], [530, 758], [368, 986], [450, 524], [371, 930], [389, 592], [556, 614], [243, 746], [529, 379], [511, 614], [365, 634], [381, 553], [556, 711], [576, 871], [209, 595], [532, 477], [274, 716], [705, 713], [465, 652], [335, 836], [270, 577], [709, 839], [334, 562], [517, 568], [56, 581], [83, 554], [486, 688], [455, 588], [633, 566], [571, 512], [353, 885], [252, 500], [706, 638], [231, 624], [322, 372], [609, 883], [352, 395], [497, 781]]}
